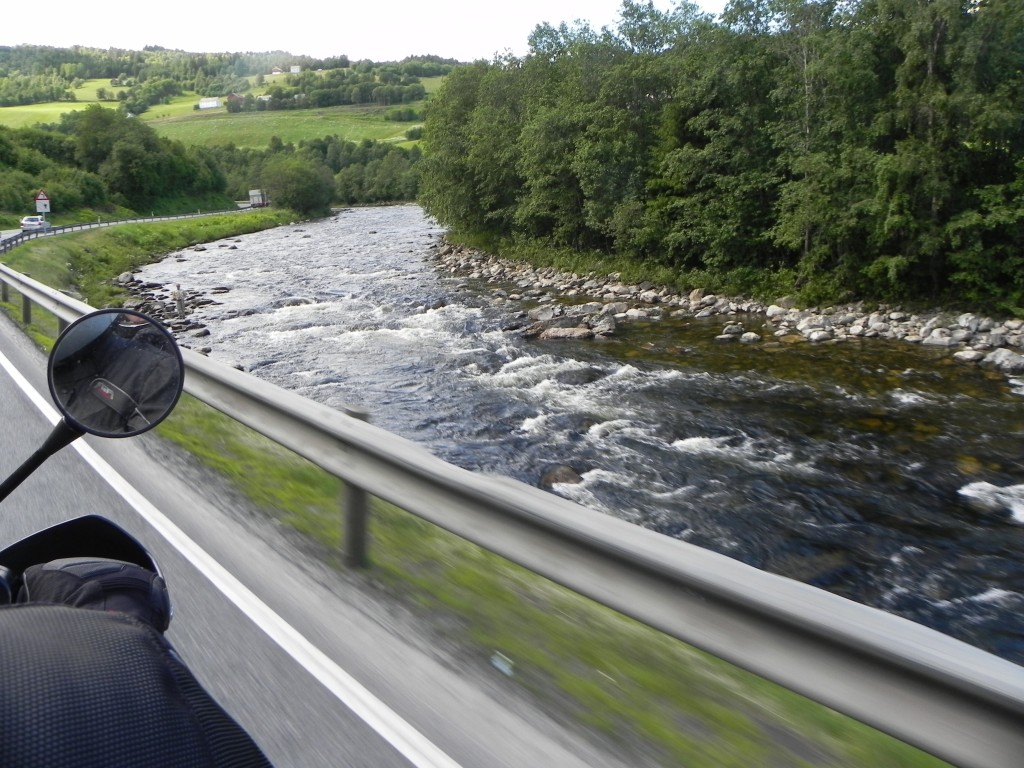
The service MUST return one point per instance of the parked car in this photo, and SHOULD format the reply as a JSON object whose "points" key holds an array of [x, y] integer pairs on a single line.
{"points": [[34, 223]]}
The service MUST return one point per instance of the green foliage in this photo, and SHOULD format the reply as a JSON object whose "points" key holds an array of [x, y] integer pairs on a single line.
{"points": [[298, 183], [137, 166], [100, 158], [869, 148]]}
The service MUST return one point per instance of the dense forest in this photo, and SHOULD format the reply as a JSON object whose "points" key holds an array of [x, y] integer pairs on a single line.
{"points": [[841, 148]]}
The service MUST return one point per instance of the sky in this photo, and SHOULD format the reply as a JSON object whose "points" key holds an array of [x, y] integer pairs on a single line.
{"points": [[465, 30]]}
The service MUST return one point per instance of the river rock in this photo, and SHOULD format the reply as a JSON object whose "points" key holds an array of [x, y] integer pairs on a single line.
{"points": [[558, 474], [1005, 361], [969, 356], [605, 326], [615, 301], [292, 301], [578, 332]]}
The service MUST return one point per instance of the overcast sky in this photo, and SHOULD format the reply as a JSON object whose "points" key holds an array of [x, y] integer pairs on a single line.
{"points": [[381, 31]]}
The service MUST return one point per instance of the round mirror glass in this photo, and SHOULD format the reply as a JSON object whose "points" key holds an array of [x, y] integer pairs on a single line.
{"points": [[115, 373]]}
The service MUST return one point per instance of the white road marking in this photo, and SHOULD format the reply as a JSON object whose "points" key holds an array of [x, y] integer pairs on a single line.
{"points": [[408, 741]]}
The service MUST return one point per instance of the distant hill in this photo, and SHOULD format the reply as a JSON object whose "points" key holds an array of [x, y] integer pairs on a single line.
{"points": [[139, 80]]}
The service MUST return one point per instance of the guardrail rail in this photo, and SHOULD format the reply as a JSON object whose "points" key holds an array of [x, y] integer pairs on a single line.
{"points": [[944, 696]]}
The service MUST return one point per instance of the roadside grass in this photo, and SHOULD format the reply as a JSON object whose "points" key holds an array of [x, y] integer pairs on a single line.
{"points": [[85, 262], [646, 692], [583, 662]]}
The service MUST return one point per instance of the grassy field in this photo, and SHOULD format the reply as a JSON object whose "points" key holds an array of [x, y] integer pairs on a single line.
{"points": [[180, 120], [255, 129]]}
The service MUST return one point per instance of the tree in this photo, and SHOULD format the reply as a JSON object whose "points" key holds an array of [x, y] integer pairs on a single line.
{"points": [[298, 183], [920, 180], [448, 191]]}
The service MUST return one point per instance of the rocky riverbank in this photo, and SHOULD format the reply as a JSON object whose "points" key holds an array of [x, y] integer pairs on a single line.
{"points": [[172, 305], [601, 303], [970, 338]]}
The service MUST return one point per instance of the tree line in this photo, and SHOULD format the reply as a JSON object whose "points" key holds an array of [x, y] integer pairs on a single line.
{"points": [[337, 87], [839, 148]]}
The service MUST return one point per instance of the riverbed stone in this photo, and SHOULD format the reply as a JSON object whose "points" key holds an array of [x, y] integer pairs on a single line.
{"points": [[969, 356], [1005, 361], [559, 474], [615, 302], [578, 332]]}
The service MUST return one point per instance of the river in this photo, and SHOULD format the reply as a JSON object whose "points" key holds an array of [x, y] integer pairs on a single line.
{"points": [[881, 471]]}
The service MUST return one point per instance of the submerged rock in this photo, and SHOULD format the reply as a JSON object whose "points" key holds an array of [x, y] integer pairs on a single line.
{"points": [[559, 474]]}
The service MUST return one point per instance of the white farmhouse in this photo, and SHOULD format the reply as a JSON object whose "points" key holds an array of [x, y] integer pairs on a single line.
{"points": [[211, 102]]}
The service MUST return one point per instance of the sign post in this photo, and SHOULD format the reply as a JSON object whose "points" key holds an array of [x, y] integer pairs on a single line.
{"points": [[42, 203]]}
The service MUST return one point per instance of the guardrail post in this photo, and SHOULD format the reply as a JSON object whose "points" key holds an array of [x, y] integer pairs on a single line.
{"points": [[5, 293], [356, 510], [26, 310]]}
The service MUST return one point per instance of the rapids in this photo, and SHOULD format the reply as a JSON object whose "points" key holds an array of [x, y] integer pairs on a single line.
{"points": [[880, 471]]}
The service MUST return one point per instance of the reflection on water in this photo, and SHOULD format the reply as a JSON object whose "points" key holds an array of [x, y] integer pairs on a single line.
{"points": [[883, 472]]}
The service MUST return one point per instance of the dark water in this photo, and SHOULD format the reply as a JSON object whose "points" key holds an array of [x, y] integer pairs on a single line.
{"points": [[883, 472]]}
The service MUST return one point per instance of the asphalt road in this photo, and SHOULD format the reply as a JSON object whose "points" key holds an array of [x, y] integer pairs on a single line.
{"points": [[311, 662]]}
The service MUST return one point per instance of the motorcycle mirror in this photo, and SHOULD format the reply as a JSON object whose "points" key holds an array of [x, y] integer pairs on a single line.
{"points": [[112, 373], [115, 373]]}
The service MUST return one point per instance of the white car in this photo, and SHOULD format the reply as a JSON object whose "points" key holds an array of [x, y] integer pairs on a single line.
{"points": [[34, 223]]}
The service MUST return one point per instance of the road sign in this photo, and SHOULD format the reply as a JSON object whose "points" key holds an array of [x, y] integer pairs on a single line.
{"points": [[42, 203]]}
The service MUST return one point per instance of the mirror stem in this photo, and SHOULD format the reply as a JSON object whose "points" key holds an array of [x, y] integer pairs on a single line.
{"points": [[62, 435]]}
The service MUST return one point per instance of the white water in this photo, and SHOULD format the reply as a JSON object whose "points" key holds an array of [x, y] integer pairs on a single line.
{"points": [[877, 472]]}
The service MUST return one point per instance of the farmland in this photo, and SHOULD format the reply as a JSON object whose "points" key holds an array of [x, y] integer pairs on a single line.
{"points": [[180, 120]]}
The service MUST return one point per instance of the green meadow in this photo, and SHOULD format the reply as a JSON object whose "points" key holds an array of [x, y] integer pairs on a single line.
{"points": [[255, 129], [181, 121]]}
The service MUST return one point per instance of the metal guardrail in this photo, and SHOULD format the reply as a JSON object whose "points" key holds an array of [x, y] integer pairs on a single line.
{"points": [[939, 694]]}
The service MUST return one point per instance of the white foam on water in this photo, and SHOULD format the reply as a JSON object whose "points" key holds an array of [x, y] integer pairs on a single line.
{"points": [[994, 498], [527, 371], [608, 428], [535, 425], [996, 596], [903, 397], [595, 476], [747, 452]]}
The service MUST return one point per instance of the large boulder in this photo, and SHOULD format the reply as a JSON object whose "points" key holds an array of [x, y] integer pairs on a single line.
{"points": [[1004, 360]]}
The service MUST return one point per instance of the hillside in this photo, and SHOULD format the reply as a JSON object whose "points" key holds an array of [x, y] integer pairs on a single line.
{"points": [[164, 131]]}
